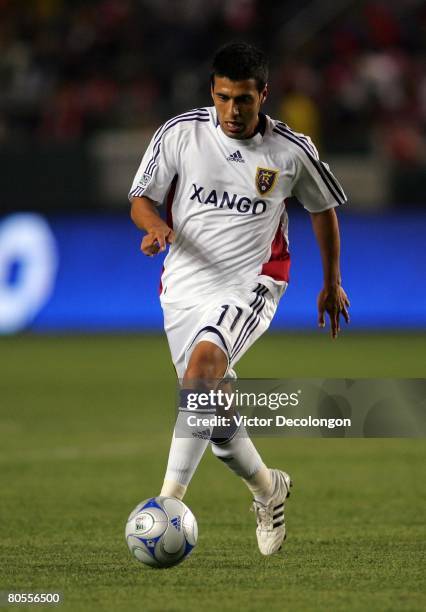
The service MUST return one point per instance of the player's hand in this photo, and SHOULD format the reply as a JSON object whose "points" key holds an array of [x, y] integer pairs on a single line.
{"points": [[335, 303], [156, 240]]}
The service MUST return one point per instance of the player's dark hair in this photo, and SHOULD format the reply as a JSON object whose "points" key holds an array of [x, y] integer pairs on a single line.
{"points": [[239, 61]]}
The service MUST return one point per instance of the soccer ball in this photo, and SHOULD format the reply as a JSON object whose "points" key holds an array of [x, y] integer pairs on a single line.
{"points": [[161, 531]]}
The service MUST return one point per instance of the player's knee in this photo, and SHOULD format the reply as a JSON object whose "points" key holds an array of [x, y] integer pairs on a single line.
{"points": [[207, 363]]}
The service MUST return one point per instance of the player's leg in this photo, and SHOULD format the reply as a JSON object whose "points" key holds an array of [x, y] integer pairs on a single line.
{"points": [[237, 450], [269, 487], [203, 339], [230, 325], [207, 363]]}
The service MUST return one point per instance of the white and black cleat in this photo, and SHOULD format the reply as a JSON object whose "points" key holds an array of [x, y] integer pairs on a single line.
{"points": [[270, 520]]}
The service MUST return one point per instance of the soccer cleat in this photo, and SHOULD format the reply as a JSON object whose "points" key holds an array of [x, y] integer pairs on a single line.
{"points": [[270, 530]]}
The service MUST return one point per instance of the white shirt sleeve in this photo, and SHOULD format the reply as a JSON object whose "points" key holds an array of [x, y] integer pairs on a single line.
{"points": [[316, 188], [158, 167]]}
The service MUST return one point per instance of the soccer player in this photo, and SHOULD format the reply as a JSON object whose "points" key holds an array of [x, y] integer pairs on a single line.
{"points": [[225, 173]]}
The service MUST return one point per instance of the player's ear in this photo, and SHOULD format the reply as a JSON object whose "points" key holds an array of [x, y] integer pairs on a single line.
{"points": [[212, 86], [264, 94]]}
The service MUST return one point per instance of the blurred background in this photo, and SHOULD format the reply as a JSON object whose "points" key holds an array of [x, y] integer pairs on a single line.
{"points": [[83, 85]]}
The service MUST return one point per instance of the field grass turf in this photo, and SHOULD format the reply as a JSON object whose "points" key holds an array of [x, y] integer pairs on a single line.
{"points": [[85, 424]]}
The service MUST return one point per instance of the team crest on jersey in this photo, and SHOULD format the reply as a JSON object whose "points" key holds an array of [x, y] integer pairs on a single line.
{"points": [[266, 180], [145, 180]]}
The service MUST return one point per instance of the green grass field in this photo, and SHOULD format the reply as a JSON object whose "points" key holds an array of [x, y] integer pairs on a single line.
{"points": [[85, 424]]}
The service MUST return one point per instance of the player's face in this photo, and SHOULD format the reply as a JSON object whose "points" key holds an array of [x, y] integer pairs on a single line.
{"points": [[237, 104]]}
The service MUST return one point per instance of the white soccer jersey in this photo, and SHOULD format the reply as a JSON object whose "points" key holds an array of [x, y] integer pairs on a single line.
{"points": [[226, 201]]}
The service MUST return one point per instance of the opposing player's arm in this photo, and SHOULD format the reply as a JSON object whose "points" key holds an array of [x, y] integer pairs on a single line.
{"points": [[145, 216], [332, 298]]}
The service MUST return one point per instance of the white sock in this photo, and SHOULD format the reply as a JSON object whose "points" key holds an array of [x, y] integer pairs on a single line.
{"points": [[261, 485], [241, 456], [171, 488], [187, 447]]}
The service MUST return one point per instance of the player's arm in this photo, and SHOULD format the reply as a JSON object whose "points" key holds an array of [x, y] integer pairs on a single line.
{"points": [[332, 298], [145, 216]]}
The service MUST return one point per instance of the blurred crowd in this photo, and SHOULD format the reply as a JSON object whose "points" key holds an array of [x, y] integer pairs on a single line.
{"points": [[353, 77]]}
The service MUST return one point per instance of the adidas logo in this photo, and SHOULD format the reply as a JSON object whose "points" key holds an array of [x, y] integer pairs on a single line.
{"points": [[237, 157], [176, 522], [204, 435]]}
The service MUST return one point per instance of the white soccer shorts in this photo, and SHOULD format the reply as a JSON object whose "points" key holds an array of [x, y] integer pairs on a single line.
{"points": [[233, 320]]}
